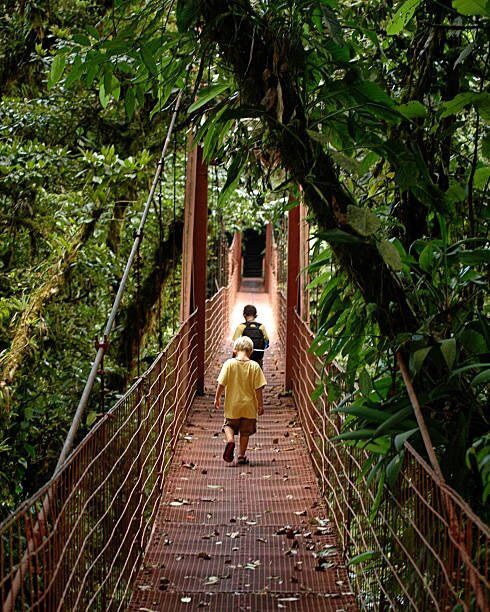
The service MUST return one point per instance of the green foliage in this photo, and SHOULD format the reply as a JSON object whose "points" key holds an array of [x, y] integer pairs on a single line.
{"points": [[395, 101]]}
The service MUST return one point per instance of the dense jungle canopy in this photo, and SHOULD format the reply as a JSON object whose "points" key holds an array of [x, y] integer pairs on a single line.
{"points": [[376, 112]]}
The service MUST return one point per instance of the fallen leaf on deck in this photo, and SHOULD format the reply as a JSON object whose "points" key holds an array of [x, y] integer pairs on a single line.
{"points": [[189, 466], [275, 441], [215, 486], [203, 555], [233, 534], [212, 580], [179, 502], [144, 587], [186, 599], [288, 599], [301, 513], [323, 566], [204, 471], [251, 522], [262, 540], [252, 565]]}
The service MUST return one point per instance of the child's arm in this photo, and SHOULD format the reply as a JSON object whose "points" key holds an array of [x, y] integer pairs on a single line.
{"points": [[260, 401], [217, 397]]}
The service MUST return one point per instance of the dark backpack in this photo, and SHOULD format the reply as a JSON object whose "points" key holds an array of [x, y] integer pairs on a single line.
{"points": [[252, 330]]}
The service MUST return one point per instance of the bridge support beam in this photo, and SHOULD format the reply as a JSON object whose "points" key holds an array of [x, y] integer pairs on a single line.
{"points": [[292, 300], [268, 258], [304, 260], [199, 263]]}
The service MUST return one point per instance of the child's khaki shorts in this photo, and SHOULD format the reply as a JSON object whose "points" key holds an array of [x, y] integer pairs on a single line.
{"points": [[246, 427]]}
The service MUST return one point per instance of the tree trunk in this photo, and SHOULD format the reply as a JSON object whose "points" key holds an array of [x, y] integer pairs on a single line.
{"points": [[140, 315], [264, 73]]}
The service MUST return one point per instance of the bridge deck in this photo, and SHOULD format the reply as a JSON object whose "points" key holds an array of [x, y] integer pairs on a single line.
{"points": [[230, 537]]}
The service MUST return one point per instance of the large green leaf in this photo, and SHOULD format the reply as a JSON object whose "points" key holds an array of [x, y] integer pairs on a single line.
{"points": [[233, 175], [402, 17], [362, 220], [448, 350], [393, 469], [207, 94], [482, 175], [186, 14], [364, 412], [129, 102], [390, 254], [149, 60], [365, 384], [363, 557], [418, 357], [359, 434], [481, 378], [57, 68], [413, 109], [474, 257], [401, 438], [394, 420], [338, 236], [472, 7]]}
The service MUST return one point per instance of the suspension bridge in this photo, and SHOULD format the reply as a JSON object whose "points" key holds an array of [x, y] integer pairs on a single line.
{"points": [[144, 515]]}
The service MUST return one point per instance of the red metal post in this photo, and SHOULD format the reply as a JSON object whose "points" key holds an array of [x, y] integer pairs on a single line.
{"points": [[200, 263], [268, 257], [292, 295]]}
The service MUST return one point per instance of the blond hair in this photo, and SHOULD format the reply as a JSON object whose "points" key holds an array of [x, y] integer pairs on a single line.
{"points": [[243, 343]]}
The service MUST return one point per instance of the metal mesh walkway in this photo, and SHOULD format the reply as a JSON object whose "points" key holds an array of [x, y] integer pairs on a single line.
{"points": [[231, 537]]}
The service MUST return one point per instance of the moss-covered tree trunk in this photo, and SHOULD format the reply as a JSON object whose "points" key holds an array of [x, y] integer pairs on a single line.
{"points": [[265, 71], [139, 317], [55, 278]]}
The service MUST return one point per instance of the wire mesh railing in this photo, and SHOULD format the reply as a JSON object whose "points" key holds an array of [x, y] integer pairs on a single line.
{"points": [[419, 546], [84, 551], [217, 321], [78, 543]]}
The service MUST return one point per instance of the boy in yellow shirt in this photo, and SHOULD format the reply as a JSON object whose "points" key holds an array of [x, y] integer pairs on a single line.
{"points": [[243, 380], [255, 331]]}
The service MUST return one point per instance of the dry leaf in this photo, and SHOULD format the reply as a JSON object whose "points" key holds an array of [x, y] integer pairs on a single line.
{"points": [[203, 555]]}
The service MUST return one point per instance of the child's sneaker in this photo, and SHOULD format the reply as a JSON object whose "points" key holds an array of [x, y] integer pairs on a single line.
{"points": [[229, 452], [242, 460]]}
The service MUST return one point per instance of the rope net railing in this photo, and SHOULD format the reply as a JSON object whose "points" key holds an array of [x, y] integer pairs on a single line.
{"points": [[78, 543], [419, 546], [424, 548]]}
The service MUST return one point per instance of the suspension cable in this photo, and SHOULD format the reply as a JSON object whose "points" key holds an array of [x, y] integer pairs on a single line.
{"points": [[117, 300]]}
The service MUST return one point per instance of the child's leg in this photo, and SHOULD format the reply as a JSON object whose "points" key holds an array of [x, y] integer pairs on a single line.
{"points": [[229, 451], [243, 444], [229, 433]]}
